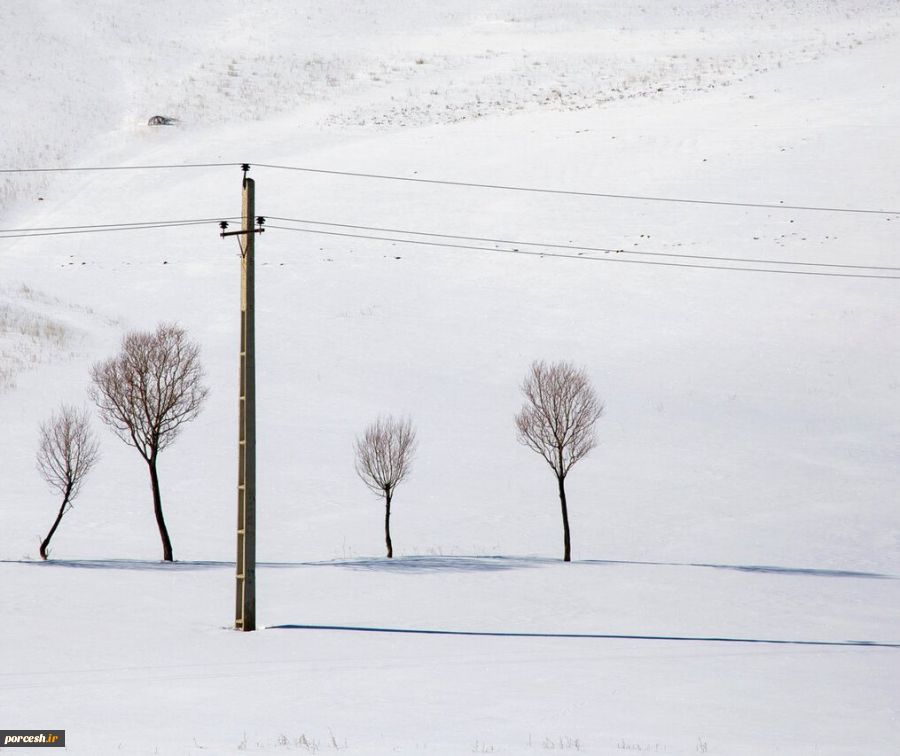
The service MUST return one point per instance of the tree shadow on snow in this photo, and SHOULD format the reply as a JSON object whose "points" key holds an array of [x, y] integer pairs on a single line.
{"points": [[122, 564], [431, 564], [413, 564]]}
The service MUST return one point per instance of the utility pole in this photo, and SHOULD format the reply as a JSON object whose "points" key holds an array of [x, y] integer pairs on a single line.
{"points": [[245, 573]]}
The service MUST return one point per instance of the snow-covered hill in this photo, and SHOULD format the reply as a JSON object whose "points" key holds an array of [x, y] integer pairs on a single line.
{"points": [[745, 482]]}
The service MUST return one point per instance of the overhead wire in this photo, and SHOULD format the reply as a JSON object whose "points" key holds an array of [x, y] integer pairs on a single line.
{"points": [[16, 233], [217, 219], [534, 253], [576, 193], [119, 167], [471, 184], [706, 259], [556, 245], [27, 233]]}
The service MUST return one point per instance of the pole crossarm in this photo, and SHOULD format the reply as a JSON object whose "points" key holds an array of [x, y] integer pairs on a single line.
{"points": [[242, 233], [260, 221]]}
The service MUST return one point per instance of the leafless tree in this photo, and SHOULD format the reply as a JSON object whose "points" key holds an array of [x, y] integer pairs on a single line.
{"points": [[557, 421], [147, 393], [67, 452], [383, 458]]}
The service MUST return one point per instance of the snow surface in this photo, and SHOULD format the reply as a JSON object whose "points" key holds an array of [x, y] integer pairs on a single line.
{"points": [[744, 487]]}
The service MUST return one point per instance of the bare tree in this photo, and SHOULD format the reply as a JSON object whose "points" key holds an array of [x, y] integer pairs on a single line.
{"points": [[67, 452], [147, 393], [557, 421], [383, 458]]}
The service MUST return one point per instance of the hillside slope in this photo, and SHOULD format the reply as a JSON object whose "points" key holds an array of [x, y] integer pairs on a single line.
{"points": [[744, 485]]}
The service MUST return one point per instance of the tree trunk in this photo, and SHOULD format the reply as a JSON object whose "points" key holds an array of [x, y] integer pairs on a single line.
{"points": [[567, 544], [62, 509], [157, 510], [387, 525]]}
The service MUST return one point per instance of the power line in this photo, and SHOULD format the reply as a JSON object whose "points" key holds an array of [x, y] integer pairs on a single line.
{"points": [[119, 167], [581, 257], [553, 245], [110, 227], [469, 184], [569, 192], [217, 219], [17, 233]]}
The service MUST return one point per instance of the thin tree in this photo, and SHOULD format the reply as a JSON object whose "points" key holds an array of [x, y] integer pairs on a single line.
{"points": [[68, 450], [383, 459], [147, 393], [557, 421]]}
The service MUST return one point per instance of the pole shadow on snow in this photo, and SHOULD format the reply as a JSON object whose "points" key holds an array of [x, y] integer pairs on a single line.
{"points": [[760, 568], [593, 636], [436, 564]]}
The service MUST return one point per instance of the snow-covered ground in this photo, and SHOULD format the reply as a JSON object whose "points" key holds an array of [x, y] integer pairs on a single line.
{"points": [[744, 487]]}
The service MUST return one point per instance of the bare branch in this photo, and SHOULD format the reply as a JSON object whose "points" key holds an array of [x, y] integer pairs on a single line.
{"points": [[557, 419], [66, 454], [154, 386], [384, 453], [68, 450], [383, 459], [146, 393]]}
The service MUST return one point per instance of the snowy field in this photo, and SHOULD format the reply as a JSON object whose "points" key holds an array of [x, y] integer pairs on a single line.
{"points": [[735, 586]]}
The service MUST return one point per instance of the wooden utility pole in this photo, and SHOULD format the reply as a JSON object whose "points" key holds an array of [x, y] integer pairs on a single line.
{"points": [[245, 588]]}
